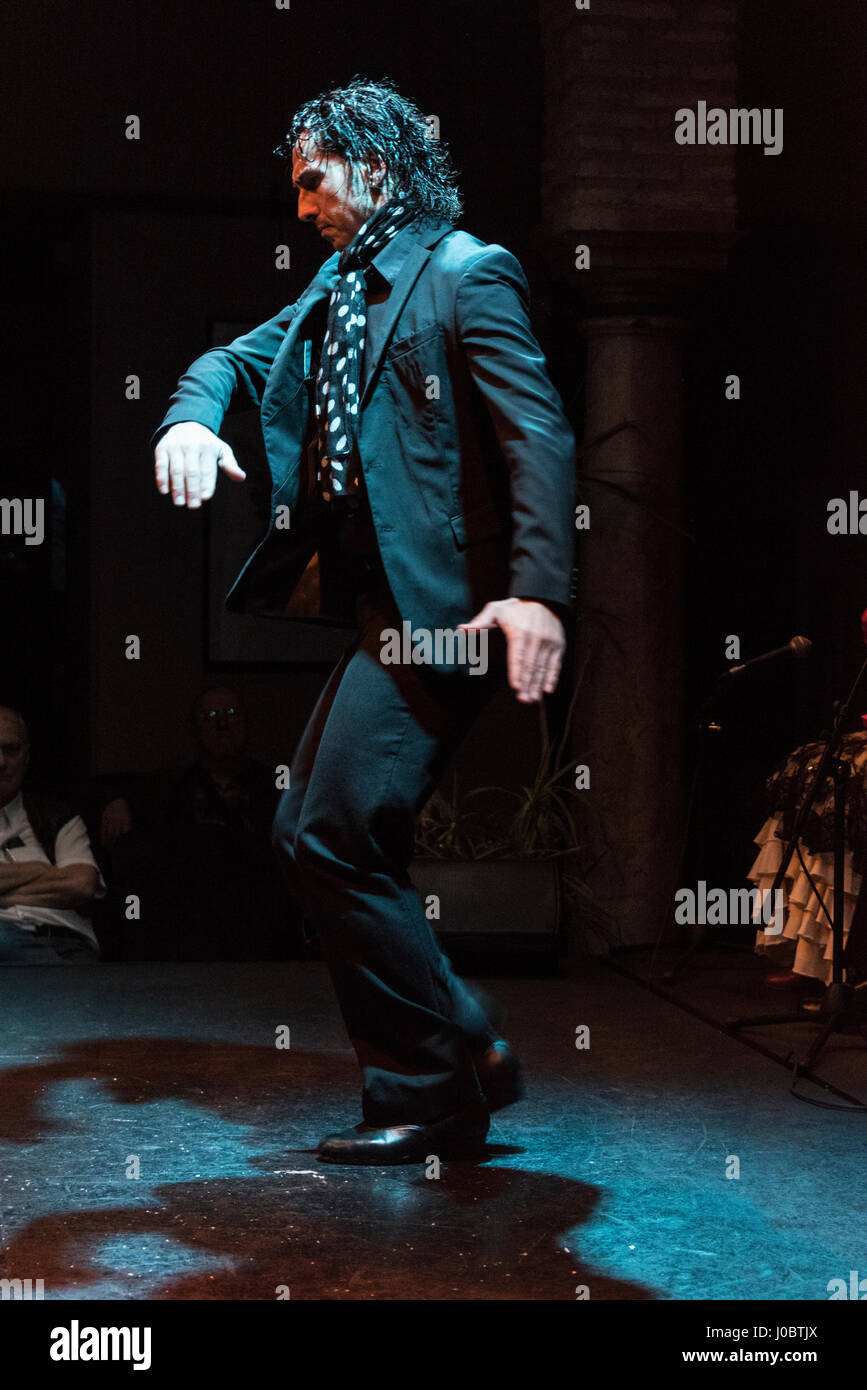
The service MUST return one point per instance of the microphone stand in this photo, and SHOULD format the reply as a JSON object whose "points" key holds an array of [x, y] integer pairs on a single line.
{"points": [[707, 724], [839, 1005]]}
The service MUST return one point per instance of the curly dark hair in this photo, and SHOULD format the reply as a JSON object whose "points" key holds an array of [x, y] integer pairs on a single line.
{"points": [[368, 119]]}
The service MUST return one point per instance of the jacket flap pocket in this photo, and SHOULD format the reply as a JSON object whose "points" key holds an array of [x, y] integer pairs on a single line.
{"points": [[477, 525], [419, 336]]}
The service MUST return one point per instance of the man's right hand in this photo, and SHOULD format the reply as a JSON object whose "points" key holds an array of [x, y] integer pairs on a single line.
{"points": [[186, 461]]}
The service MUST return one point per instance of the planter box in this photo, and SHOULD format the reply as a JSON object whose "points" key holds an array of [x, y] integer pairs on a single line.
{"points": [[494, 906]]}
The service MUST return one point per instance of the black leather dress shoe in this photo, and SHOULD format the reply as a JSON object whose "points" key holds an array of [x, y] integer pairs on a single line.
{"points": [[499, 1075], [458, 1136]]}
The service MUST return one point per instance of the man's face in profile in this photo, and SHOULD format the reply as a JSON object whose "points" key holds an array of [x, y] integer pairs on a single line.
{"points": [[14, 754], [330, 193]]}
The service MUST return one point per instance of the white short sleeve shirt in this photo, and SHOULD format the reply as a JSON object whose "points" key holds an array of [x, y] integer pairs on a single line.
{"points": [[72, 846]]}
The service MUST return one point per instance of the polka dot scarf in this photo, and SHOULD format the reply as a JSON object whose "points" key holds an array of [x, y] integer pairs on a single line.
{"points": [[339, 376]]}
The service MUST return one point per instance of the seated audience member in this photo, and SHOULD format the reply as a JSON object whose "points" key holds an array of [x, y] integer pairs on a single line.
{"points": [[48, 875], [195, 843]]}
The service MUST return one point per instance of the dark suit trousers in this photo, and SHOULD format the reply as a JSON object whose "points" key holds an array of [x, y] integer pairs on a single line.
{"points": [[373, 751]]}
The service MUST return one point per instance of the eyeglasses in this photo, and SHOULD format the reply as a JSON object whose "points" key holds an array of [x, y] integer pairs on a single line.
{"points": [[205, 715]]}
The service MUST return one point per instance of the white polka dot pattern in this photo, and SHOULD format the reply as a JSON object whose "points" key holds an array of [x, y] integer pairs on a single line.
{"points": [[337, 383]]}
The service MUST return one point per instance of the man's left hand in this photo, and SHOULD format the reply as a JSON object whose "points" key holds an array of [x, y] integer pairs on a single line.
{"points": [[535, 643]]}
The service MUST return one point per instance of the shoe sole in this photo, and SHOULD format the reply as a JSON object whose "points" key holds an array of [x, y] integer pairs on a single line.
{"points": [[448, 1146], [453, 1152]]}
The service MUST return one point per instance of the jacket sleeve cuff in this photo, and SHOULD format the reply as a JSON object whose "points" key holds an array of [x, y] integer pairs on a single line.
{"points": [[212, 420], [563, 611]]}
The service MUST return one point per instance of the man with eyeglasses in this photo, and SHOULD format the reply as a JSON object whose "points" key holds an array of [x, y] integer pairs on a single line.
{"points": [[195, 841]]}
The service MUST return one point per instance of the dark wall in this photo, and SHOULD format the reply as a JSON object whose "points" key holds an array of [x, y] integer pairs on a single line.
{"points": [[154, 241], [789, 318], [121, 255]]}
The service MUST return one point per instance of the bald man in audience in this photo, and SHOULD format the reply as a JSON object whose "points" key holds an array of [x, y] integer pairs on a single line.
{"points": [[48, 875]]}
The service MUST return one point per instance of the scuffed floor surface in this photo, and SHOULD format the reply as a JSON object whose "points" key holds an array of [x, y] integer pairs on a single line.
{"points": [[156, 1143]]}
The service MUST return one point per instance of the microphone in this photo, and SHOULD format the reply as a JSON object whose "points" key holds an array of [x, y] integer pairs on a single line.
{"points": [[799, 647]]}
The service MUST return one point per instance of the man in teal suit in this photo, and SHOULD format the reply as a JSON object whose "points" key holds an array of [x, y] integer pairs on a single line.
{"points": [[418, 448]]}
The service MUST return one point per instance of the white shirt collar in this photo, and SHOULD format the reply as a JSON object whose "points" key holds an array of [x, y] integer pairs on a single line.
{"points": [[14, 808]]}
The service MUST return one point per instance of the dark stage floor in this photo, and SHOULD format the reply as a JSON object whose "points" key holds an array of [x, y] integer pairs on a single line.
{"points": [[611, 1174]]}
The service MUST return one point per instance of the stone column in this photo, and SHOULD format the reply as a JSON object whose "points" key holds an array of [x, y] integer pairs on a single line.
{"points": [[629, 713], [653, 217]]}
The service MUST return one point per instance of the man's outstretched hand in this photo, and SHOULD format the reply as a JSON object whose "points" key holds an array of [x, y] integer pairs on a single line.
{"points": [[186, 462], [535, 643]]}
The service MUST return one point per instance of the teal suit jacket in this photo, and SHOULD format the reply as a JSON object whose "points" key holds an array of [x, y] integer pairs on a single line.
{"points": [[468, 458]]}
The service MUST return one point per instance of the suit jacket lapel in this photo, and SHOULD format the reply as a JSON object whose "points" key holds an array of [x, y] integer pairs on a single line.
{"points": [[289, 365], [401, 262]]}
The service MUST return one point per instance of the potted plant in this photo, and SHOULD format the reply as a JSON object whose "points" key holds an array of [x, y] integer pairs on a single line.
{"points": [[500, 867]]}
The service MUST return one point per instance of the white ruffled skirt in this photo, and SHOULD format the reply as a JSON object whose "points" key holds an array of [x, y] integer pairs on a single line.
{"points": [[805, 943]]}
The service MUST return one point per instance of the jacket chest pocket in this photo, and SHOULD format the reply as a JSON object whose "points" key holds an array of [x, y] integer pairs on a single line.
{"points": [[416, 377], [417, 362]]}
